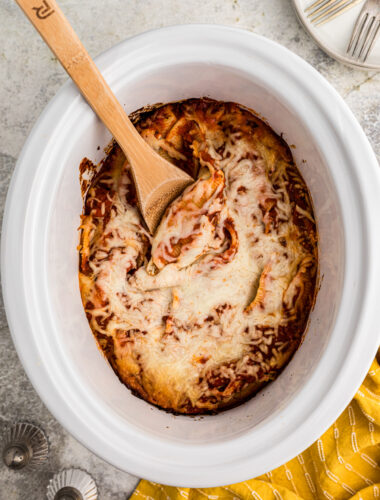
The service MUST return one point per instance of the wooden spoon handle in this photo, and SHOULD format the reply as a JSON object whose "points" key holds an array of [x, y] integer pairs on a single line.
{"points": [[49, 21]]}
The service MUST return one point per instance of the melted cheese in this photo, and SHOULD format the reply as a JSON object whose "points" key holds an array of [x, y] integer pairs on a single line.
{"points": [[199, 326]]}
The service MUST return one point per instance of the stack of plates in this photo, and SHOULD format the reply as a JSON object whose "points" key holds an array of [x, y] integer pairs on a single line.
{"points": [[333, 36]]}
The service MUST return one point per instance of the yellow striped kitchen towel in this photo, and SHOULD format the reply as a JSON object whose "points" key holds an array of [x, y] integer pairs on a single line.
{"points": [[344, 463]]}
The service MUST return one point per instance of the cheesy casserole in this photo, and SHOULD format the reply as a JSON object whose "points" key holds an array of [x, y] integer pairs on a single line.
{"points": [[200, 316]]}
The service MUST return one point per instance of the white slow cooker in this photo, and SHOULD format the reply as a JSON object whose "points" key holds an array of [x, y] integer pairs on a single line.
{"points": [[40, 260]]}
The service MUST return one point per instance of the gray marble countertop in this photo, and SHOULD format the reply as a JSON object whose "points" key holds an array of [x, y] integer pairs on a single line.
{"points": [[30, 77]]}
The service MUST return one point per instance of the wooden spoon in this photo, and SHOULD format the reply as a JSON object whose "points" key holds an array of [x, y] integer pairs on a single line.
{"points": [[157, 181]]}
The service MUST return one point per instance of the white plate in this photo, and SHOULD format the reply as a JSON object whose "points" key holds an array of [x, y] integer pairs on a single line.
{"points": [[40, 261], [333, 37]]}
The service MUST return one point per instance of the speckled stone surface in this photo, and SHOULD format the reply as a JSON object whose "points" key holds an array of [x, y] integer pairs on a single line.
{"points": [[30, 76]]}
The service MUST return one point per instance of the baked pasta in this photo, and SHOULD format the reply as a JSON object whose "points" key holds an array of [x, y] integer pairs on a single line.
{"points": [[201, 315]]}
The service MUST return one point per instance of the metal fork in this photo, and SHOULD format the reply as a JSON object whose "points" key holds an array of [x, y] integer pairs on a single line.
{"points": [[366, 31], [322, 11]]}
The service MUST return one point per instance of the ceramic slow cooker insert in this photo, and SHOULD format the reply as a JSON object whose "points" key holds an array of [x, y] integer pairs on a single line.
{"points": [[40, 261]]}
